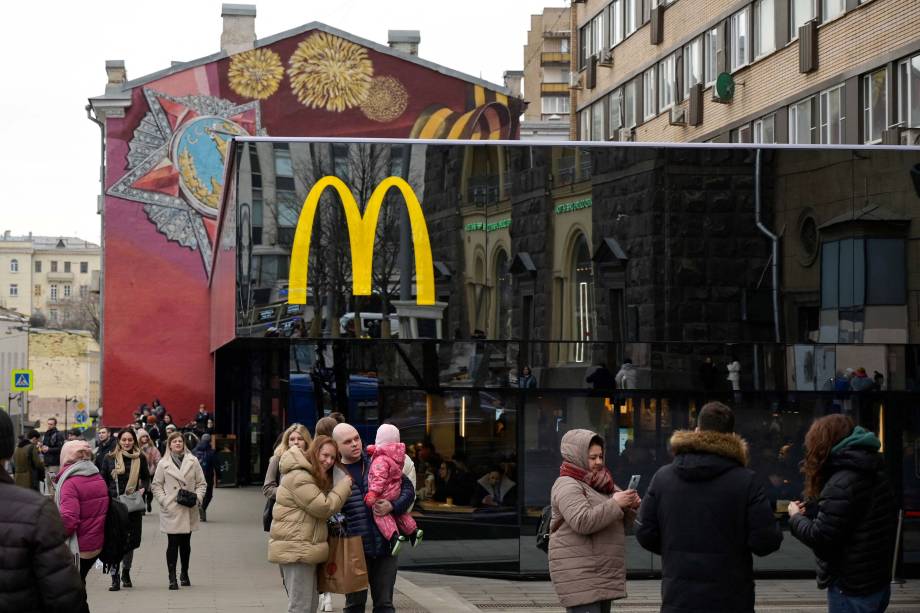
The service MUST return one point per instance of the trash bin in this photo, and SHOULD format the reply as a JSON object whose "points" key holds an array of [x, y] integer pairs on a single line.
{"points": [[226, 448]]}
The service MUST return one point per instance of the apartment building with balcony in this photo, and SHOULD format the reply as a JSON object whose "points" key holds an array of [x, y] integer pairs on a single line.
{"points": [[546, 74], [46, 274], [761, 71]]}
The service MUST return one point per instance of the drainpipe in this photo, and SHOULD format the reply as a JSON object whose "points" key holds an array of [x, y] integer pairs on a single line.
{"points": [[95, 120], [774, 258]]}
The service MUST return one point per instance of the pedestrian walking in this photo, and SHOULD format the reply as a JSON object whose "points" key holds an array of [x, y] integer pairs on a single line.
{"points": [[602, 378], [211, 469], [305, 500], [38, 573], [125, 472], [849, 518], [705, 514], [52, 441], [627, 378], [381, 566], [30, 470], [587, 546], [82, 498], [152, 456], [179, 487], [384, 482], [105, 444]]}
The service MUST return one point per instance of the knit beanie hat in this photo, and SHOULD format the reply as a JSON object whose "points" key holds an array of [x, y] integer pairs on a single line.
{"points": [[387, 433], [7, 436]]}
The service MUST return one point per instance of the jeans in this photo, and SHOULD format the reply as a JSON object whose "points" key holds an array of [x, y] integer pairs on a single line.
{"points": [[300, 583], [602, 606], [381, 575], [838, 602], [178, 545]]}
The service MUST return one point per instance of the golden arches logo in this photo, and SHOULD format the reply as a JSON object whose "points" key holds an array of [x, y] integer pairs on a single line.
{"points": [[362, 231]]}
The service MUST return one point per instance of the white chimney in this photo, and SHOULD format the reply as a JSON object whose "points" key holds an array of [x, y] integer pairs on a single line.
{"points": [[404, 40], [239, 27], [513, 79], [117, 75]]}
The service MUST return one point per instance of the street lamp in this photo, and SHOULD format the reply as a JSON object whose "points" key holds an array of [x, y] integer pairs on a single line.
{"points": [[67, 401]]}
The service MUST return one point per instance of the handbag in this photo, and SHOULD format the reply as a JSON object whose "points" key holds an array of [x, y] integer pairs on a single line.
{"points": [[346, 570], [134, 501], [187, 498]]}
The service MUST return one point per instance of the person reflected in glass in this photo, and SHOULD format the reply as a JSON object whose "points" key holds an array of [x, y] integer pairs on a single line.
{"points": [[527, 380], [495, 489]]}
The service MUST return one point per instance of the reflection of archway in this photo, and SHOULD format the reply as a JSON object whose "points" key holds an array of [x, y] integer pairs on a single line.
{"points": [[480, 295], [502, 295], [581, 297]]}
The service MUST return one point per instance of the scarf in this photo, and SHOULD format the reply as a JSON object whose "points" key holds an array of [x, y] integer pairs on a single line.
{"points": [[120, 454], [601, 481], [177, 458]]}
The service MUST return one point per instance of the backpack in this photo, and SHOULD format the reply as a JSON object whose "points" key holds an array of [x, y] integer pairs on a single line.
{"points": [[544, 529], [116, 533]]}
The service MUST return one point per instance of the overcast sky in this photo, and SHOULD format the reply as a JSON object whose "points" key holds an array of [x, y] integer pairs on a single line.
{"points": [[53, 60]]}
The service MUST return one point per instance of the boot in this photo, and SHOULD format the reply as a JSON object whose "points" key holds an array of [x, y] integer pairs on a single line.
{"points": [[116, 583], [184, 581], [416, 537], [173, 585], [126, 577], [396, 543]]}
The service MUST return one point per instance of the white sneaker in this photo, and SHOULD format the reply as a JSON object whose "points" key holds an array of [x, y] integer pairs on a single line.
{"points": [[326, 600]]}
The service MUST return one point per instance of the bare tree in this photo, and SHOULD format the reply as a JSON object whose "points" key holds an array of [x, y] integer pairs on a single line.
{"points": [[80, 313]]}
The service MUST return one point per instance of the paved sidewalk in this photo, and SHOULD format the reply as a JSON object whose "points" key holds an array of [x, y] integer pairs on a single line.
{"points": [[230, 574]]}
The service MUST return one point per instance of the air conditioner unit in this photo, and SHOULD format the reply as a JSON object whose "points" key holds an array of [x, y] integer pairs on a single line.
{"points": [[626, 135], [606, 58], [575, 80], [678, 116], [910, 136]]}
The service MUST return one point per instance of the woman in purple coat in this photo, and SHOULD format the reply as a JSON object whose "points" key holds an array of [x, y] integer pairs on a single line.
{"points": [[82, 498]]}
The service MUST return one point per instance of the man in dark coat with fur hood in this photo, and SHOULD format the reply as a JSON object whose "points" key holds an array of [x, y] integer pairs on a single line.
{"points": [[705, 514]]}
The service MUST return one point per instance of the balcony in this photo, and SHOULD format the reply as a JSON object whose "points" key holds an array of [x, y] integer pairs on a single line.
{"points": [[59, 276], [554, 88], [555, 57]]}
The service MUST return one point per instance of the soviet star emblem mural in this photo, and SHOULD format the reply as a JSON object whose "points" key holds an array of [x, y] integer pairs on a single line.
{"points": [[176, 164]]}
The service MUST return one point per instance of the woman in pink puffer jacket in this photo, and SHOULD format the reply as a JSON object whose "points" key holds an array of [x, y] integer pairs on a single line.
{"points": [[384, 481], [82, 498]]}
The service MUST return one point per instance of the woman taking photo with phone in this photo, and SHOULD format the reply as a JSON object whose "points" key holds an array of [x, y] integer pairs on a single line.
{"points": [[587, 544], [305, 499], [179, 488], [849, 518], [125, 472]]}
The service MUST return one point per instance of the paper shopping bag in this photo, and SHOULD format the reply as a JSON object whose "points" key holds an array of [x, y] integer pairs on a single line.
{"points": [[345, 571]]}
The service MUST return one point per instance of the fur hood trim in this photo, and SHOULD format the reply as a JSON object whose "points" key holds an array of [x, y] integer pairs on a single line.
{"points": [[727, 445]]}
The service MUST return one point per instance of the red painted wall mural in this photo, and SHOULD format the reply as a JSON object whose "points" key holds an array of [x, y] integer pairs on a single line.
{"points": [[165, 173]]}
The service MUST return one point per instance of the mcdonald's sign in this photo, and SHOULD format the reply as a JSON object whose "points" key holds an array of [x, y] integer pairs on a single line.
{"points": [[362, 230]]}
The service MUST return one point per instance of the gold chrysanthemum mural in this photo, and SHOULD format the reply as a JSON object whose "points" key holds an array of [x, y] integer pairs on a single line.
{"points": [[328, 72], [256, 73], [386, 100]]}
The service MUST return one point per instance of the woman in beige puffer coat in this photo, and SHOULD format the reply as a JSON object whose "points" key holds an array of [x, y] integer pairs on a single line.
{"points": [[305, 499], [587, 548]]}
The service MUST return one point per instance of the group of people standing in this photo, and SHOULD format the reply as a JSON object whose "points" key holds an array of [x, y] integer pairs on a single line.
{"points": [[706, 514]]}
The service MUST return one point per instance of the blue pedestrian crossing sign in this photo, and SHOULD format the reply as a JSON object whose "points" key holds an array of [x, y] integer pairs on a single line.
{"points": [[21, 380]]}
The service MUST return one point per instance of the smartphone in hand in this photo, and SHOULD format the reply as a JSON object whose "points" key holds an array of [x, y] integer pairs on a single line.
{"points": [[634, 482]]}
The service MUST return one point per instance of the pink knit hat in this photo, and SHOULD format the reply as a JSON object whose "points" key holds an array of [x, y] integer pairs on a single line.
{"points": [[387, 433]]}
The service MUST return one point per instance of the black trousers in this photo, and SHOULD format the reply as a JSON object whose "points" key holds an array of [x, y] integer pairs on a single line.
{"points": [[209, 494], [178, 545], [85, 566], [381, 575]]}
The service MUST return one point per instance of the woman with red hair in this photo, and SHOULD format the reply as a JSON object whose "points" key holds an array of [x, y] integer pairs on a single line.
{"points": [[849, 518]]}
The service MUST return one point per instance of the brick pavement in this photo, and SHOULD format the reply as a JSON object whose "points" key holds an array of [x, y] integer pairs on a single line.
{"points": [[230, 574]]}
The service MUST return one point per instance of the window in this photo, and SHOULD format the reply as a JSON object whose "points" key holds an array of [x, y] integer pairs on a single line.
{"points": [[14, 265], [712, 55], [38, 265], [67, 291], [584, 124], [54, 293], [53, 315], [741, 134], [616, 22], [582, 276], [764, 130], [693, 64], [740, 40], [53, 265], [800, 12], [564, 45], [66, 266], [504, 296], [594, 37], [764, 27], [667, 82], [554, 105], [833, 116], [84, 291], [857, 272], [630, 19], [598, 121], [37, 290], [14, 290], [629, 104], [615, 111], [875, 105], [649, 98], [84, 267], [802, 122], [909, 92], [832, 8]]}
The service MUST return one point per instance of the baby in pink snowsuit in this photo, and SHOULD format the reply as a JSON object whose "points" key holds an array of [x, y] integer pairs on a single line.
{"points": [[384, 481]]}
